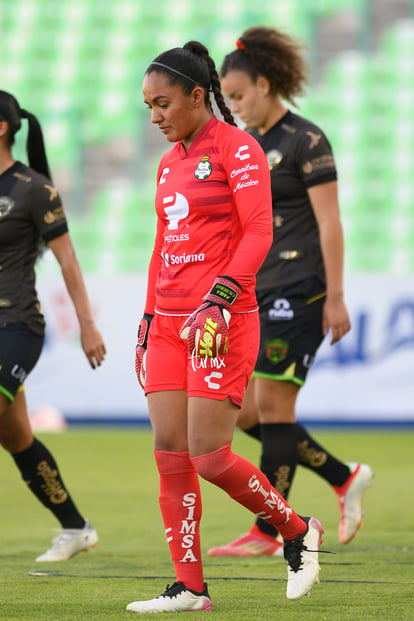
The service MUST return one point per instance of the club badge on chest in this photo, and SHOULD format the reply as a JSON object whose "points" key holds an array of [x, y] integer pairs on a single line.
{"points": [[203, 169]]}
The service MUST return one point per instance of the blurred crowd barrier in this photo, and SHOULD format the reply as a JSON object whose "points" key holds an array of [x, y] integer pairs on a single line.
{"points": [[365, 378]]}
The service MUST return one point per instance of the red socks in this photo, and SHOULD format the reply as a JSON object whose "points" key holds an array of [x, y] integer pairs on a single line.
{"points": [[250, 487], [180, 503]]}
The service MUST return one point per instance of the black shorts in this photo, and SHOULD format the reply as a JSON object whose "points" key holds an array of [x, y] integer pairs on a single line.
{"points": [[290, 330], [20, 349]]}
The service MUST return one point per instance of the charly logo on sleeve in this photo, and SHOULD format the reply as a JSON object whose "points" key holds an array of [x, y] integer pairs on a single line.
{"points": [[314, 139], [53, 193], [6, 205], [243, 153], [203, 169]]}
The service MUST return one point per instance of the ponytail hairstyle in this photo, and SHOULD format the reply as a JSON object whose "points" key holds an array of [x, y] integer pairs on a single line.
{"points": [[267, 52], [189, 66], [11, 112]]}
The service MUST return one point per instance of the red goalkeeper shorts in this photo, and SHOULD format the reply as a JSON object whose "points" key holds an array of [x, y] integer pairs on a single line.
{"points": [[170, 367]]}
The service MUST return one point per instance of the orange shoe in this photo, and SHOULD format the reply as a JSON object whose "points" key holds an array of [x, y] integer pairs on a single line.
{"points": [[350, 498], [254, 543]]}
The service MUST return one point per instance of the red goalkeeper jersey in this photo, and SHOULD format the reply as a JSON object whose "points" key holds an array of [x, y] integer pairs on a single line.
{"points": [[214, 218]]}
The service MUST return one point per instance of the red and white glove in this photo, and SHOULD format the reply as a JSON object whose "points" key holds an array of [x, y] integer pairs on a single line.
{"points": [[207, 329], [141, 348]]}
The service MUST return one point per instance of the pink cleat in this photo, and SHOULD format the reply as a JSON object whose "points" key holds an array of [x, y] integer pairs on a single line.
{"points": [[254, 543]]}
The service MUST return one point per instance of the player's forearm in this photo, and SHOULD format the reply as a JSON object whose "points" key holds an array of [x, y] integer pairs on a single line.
{"points": [[252, 250], [65, 254], [77, 292], [332, 246]]}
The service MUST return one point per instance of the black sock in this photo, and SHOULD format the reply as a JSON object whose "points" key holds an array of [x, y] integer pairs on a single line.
{"points": [[40, 472], [313, 456], [278, 462], [254, 431]]}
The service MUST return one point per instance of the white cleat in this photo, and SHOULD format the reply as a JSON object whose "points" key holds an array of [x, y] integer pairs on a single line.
{"points": [[350, 499], [69, 542], [301, 554], [176, 598]]}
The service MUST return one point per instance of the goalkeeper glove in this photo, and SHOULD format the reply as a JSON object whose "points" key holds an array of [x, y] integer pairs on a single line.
{"points": [[207, 329], [141, 348]]}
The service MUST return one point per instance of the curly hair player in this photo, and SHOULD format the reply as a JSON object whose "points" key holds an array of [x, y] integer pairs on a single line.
{"points": [[299, 286]]}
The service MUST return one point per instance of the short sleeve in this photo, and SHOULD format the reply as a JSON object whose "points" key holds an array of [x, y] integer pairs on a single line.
{"points": [[315, 158], [47, 211]]}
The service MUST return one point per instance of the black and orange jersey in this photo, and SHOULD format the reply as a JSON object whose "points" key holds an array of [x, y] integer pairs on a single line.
{"points": [[214, 217], [30, 210], [299, 157]]}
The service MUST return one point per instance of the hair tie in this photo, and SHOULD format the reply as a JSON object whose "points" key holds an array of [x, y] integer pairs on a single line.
{"points": [[23, 114], [240, 45]]}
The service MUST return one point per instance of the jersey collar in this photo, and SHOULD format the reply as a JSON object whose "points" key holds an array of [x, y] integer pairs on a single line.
{"points": [[200, 136]]}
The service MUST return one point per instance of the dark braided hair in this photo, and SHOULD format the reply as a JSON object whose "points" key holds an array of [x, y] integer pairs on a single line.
{"points": [[11, 112], [273, 54], [192, 65]]}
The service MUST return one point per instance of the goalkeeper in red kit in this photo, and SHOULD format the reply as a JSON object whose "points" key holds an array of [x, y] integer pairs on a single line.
{"points": [[198, 339]]}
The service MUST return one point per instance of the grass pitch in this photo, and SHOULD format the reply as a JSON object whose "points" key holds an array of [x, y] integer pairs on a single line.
{"points": [[112, 477]]}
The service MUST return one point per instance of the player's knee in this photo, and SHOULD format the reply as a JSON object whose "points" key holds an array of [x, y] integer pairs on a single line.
{"points": [[14, 444], [211, 465]]}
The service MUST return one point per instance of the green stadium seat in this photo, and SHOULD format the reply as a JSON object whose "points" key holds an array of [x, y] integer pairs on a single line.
{"points": [[122, 222], [368, 243], [329, 7], [63, 141], [398, 40], [78, 65]]}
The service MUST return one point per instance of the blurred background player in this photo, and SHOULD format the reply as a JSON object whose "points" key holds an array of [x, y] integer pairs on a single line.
{"points": [[199, 337], [300, 284], [31, 214]]}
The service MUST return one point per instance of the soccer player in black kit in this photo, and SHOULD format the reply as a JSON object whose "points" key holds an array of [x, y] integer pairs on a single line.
{"points": [[299, 287], [31, 214]]}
